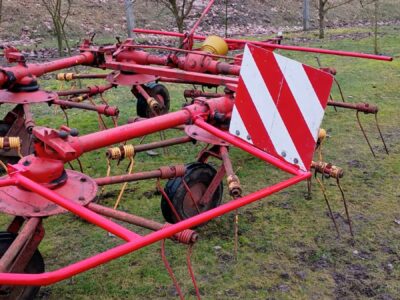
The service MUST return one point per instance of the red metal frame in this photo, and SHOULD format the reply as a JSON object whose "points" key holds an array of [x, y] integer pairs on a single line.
{"points": [[239, 44], [196, 113], [134, 241], [40, 173]]}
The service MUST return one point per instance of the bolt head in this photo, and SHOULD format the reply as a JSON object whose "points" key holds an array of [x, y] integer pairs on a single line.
{"points": [[74, 132], [63, 134]]}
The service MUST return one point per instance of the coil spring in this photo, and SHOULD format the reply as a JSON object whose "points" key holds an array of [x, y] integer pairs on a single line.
{"points": [[186, 236], [121, 152], [65, 76], [14, 142]]}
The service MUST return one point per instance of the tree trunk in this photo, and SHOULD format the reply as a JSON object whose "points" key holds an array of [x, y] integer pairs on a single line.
{"points": [[306, 15], [130, 18], [58, 34], [376, 17], [180, 24], [321, 19]]}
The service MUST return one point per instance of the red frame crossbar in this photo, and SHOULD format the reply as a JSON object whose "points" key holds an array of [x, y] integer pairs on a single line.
{"points": [[133, 240]]}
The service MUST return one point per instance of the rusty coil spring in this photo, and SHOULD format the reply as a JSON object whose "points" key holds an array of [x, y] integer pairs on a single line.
{"points": [[65, 76], [172, 171], [10, 142], [327, 169], [121, 152], [186, 236]]}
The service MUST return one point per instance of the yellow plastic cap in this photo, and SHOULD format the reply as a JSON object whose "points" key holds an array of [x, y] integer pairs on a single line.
{"points": [[215, 45]]}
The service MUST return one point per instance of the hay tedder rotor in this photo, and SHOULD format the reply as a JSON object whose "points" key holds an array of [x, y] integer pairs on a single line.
{"points": [[271, 107]]}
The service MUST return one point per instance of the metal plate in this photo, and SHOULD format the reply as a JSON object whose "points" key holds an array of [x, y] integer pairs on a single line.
{"points": [[119, 78], [19, 202], [26, 97], [201, 135]]}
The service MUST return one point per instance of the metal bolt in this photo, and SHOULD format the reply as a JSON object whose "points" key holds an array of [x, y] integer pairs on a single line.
{"points": [[74, 132], [237, 132], [63, 134], [296, 161], [249, 137], [283, 153]]}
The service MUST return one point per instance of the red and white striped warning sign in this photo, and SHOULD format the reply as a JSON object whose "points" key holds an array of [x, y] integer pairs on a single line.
{"points": [[279, 105]]}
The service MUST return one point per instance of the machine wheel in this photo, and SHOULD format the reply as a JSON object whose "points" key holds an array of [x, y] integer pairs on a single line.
{"points": [[158, 92], [35, 266], [198, 177], [4, 128]]}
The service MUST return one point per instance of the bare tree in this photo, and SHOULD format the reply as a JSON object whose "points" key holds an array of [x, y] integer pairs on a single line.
{"points": [[323, 7], [375, 26], [180, 10], [59, 18], [374, 14]]}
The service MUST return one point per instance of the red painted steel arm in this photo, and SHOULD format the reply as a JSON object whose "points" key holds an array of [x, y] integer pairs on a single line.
{"points": [[136, 242], [248, 147], [7, 182], [71, 148], [118, 134], [20, 71], [172, 73], [73, 207], [273, 46], [205, 12], [91, 90]]}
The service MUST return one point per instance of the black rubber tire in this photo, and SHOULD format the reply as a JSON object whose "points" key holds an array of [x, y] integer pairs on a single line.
{"points": [[35, 266], [142, 108], [196, 173], [4, 128]]}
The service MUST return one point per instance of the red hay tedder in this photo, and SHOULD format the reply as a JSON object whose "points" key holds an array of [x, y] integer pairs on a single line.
{"points": [[271, 108]]}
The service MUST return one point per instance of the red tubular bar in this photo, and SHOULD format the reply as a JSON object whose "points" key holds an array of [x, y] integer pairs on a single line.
{"points": [[91, 90], [77, 209], [174, 73], [20, 71], [140, 242], [128, 177], [248, 148], [205, 12], [126, 132], [7, 182], [272, 46], [180, 50], [101, 109]]}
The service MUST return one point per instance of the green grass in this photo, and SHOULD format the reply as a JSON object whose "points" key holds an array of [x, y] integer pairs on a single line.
{"points": [[288, 247]]}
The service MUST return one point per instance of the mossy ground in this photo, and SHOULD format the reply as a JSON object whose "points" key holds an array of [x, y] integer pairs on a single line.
{"points": [[288, 246]]}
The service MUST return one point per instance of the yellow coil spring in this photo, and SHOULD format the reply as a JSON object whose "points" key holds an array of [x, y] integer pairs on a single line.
{"points": [[119, 153], [79, 99], [14, 143], [65, 76], [125, 151]]}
